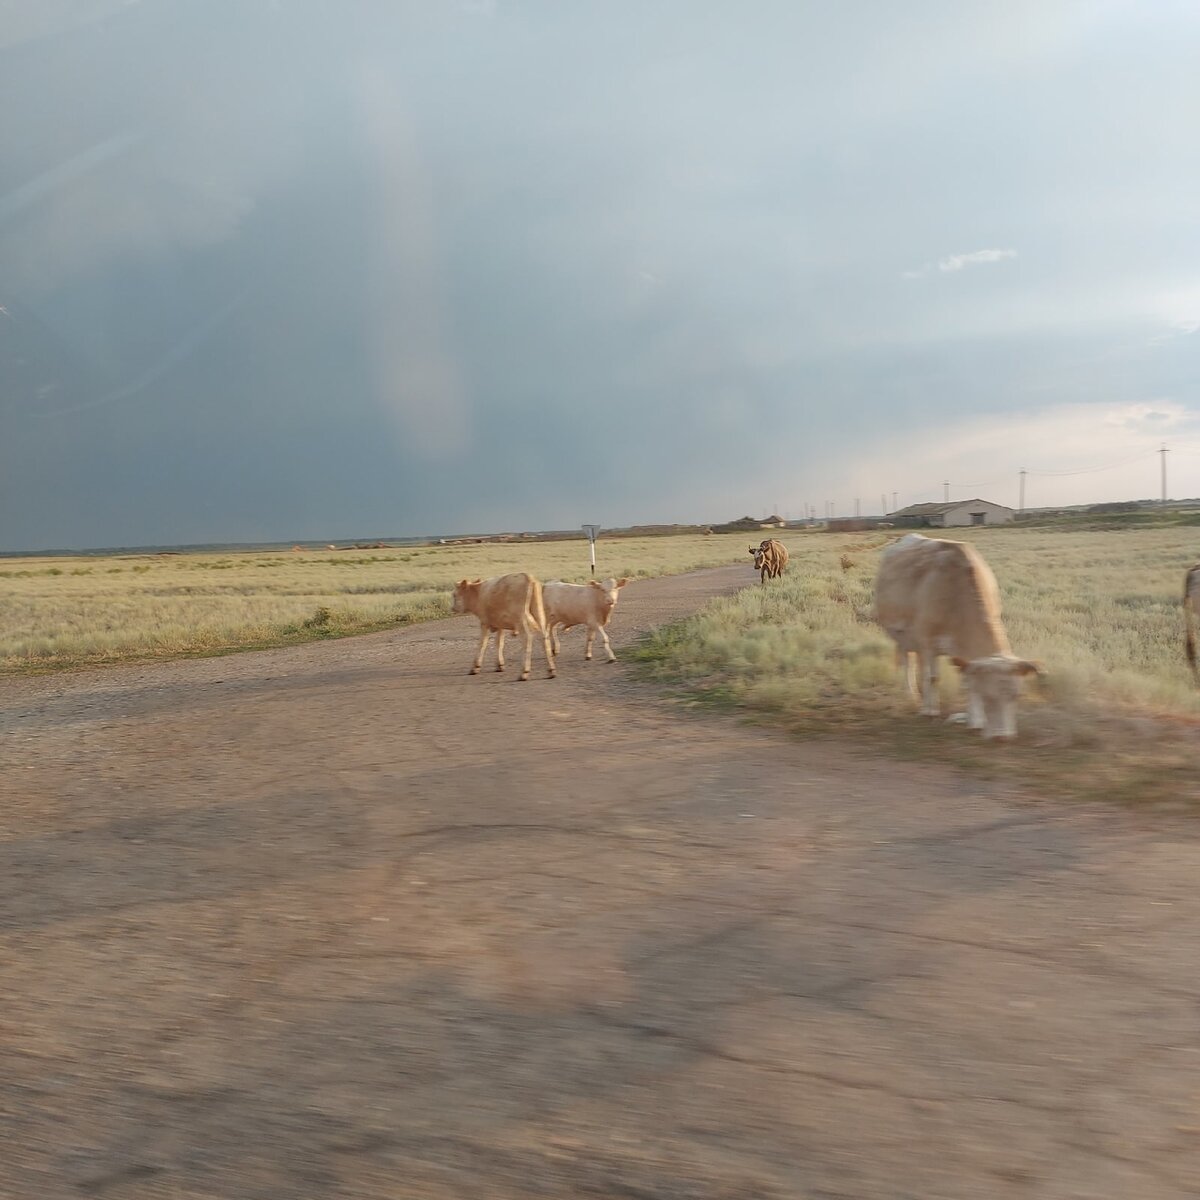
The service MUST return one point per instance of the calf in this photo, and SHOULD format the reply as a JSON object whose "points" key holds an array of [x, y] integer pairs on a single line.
{"points": [[937, 597], [505, 604], [590, 604]]}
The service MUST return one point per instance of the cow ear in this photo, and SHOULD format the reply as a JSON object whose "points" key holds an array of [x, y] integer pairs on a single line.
{"points": [[1026, 667], [598, 586], [751, 549], [960, 663], [622, 582], [462, 583]]}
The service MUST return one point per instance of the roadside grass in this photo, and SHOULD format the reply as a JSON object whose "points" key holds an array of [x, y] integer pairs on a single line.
{"points": [[96, 610], [1119, 716]]}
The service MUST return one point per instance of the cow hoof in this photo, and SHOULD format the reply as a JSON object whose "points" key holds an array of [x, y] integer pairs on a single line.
{"points": [[473, 671], [613, 659], [957, 719], [523, 677], [498, 669], [552, 675]]}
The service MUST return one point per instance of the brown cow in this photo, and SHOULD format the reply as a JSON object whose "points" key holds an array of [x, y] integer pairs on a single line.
{"points": [[590, 604], [937, 597], [1191, 597], [770, 559], [505, 604]]}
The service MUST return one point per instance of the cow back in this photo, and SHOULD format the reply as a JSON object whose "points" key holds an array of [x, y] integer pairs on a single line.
{"points": [[941, 592]]}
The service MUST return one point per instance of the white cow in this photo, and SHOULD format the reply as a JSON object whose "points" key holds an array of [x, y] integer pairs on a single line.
{"points": [[590, 604], [505, 604], [937, 597]]}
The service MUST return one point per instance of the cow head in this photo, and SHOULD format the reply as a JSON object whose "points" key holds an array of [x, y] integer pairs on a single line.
{"points": [[993, 685], [609, 589], [466, 592]]}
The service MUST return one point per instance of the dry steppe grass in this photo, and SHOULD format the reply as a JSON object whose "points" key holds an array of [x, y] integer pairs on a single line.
{"points": [[84, 610]]}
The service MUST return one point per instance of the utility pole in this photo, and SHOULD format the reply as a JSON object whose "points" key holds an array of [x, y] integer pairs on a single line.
{"points": [[883, 508], [1021, 505], [1163, 452], [946, 485]]}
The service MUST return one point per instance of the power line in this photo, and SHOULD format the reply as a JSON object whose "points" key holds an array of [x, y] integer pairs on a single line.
{"points": [[1093, 470], [985, 483]]}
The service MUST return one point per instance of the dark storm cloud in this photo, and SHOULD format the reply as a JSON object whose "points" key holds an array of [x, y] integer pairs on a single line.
{"points": [[286, 269]]}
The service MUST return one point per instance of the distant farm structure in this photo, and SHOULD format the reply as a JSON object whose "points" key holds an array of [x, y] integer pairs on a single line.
{"points": [[952, 514]]}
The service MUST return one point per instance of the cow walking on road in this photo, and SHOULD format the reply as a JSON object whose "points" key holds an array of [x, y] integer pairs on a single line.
{"points": [[590, 604], [505, 604]]}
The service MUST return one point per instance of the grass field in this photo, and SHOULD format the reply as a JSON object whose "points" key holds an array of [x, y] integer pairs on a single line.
{"points": [[77, 611], [1100, 609]]}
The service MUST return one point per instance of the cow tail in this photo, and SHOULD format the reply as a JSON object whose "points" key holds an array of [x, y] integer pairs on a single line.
{"points": [[1189, 616], [535, 604]]}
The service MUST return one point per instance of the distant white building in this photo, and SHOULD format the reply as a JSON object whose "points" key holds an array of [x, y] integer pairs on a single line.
{"points": [[957, 513]]}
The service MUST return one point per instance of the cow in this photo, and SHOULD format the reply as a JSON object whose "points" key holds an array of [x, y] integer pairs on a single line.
{"points": [[935, 597], [505, 604], [778, 553], [770, 559], [1191, 597], [590, 604]]}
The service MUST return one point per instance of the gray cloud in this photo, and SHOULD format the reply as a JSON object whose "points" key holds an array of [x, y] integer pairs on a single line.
{"points": [[517, 264]]}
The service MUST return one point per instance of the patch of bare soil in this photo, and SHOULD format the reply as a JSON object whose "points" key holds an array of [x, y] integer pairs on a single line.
{"points": [[341, 921]]}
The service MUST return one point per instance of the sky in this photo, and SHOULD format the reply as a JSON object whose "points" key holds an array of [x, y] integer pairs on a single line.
{"points": [[276, 270]]}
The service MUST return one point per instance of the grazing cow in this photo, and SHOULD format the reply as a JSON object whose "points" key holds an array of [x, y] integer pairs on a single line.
{"points": [[505, 604], [770, 559], [937, 597], [1191, 597], [590, 604]]}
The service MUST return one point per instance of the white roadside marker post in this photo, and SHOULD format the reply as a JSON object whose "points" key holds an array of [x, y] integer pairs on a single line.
{"points": [[591, 531]]}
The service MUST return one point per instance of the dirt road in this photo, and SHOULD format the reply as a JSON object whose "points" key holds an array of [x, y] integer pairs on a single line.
{"points": [[340, 921]]}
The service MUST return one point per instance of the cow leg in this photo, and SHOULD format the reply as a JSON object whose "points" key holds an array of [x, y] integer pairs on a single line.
{"points": [[500, 635], [531, 627], [526, 635], [607, 645], [591, 637], [555, 645], [485, 636], [975, 713], [931, 705], [906, 669]]}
